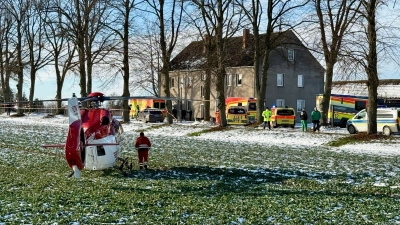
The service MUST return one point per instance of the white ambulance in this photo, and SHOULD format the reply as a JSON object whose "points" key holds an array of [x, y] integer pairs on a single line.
{"points": [[387, 119]]}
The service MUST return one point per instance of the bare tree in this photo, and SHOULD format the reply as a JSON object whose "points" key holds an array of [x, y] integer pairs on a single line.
{"points": [[75, 27], [222, 19], [17, 11], [169, 18], [61, 50], [147, 58], [372, 42], [335, 18], [278, 14], [34, 34], [124, 8], [83, 23], [198, 19], [371, 67], [7, 54]]}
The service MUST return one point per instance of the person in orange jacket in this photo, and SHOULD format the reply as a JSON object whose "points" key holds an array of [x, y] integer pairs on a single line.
{"points": [[143, 145]]}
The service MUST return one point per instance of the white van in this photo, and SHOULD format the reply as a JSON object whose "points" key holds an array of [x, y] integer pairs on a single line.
{"points": [[387, 121]]}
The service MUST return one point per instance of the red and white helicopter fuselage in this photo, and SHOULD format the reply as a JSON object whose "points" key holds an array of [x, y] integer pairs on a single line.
{"points": [[92, 138]]}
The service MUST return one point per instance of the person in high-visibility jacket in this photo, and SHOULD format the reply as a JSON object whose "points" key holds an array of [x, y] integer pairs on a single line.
{"points": [[267, 115]]}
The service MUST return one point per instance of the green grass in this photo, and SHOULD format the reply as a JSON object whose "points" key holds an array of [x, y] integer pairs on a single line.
{"points": [[357, 138], [193, 181]]}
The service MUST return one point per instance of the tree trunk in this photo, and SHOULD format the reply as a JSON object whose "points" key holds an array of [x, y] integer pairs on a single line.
{"points": [[125, 62], [327, 93], [20, 71], [371, 69], [33, 81]]}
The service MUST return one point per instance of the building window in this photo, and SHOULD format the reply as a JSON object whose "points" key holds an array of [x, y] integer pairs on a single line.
{"points": [[280, 102], [238, 79], [279, 80], [203, 76], [229, 80], [202, 91], [172, 82], [188, 82], [300, 80], [189, 106], [300, 104], [291, 55], [180, 82]]}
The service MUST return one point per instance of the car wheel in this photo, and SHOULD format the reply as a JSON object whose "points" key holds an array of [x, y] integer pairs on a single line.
{"points": [[386, 131], [292, 126], [352, 129]]}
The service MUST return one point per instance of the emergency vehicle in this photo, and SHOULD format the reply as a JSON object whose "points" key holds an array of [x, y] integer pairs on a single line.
{"points": [[236, 115], [387, 121], [138, 105], [343, 107], [250, 105], [282, 116]]}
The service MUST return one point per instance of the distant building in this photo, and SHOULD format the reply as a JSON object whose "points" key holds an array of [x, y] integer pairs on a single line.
{"points": [[294, 77], [388, 89]]}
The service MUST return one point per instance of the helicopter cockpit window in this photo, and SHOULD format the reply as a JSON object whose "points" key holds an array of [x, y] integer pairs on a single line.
{"points": [[101, 151], [105, 120]]}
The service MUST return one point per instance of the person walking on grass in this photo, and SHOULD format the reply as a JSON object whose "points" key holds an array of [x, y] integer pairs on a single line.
{"points": [[267, 115], [143, 145], [303, 118], [315, 117]]}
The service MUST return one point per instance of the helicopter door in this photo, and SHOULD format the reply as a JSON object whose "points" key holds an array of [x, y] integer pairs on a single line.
{"points": [[91, 157], [100, 156]]}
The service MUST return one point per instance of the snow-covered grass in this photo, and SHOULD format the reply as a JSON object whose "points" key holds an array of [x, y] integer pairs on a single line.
{"points": [[241, 175]]}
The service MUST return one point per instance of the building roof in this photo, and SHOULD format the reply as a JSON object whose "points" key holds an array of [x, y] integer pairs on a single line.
{"points": [[194, 57], [389, 88]]}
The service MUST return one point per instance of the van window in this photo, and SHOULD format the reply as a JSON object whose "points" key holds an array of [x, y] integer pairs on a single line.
{"points": [[252, 106], [236, 111], [362, 115], [360, 105], [285, 112], [384, 115], [398, 113], [155, 112]]}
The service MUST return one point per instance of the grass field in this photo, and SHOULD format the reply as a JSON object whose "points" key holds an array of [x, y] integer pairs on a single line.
{"points": [[193, 180]]}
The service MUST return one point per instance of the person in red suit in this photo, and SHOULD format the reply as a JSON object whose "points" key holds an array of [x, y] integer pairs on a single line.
{"points": [[143, 145]]}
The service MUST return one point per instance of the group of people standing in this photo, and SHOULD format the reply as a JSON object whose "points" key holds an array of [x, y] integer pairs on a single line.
{"points": [[315, 118], [183, 114]]}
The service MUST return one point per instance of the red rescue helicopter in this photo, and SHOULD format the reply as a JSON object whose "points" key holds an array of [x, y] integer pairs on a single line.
{"points": [[93, 136]]}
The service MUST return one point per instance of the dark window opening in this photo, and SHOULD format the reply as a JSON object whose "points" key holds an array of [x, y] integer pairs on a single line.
{"points": [[285, 112], [101, 151], [252, 106], [360, 105], [236, 111]]}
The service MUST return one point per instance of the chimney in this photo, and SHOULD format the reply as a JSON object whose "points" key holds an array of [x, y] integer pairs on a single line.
{"points": [[246, 36]]}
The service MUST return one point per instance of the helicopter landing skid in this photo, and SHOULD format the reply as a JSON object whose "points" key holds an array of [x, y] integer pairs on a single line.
{"points": [[71, 174], [125, 163]]}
